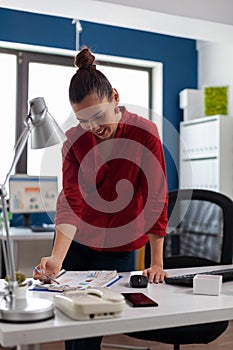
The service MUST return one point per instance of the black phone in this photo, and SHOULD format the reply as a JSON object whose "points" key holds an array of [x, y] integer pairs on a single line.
{"points": [[139, 300]]}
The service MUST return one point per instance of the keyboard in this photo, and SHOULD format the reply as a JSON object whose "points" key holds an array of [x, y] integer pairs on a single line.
{"points": [[42, 228], [187, 280]]}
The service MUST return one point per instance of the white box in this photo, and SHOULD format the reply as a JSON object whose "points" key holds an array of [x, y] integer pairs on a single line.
{"points": [[207, 284], [191, 101]]}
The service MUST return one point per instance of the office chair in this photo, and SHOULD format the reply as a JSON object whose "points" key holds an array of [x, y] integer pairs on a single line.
{"points": [[199, 234]]}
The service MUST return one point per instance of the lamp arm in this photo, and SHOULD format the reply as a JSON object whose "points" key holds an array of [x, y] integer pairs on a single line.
{"points": [[7, 250], [19, 148]]}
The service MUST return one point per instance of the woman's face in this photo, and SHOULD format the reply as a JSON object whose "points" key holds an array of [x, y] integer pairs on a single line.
{"points": [[98, 115]]}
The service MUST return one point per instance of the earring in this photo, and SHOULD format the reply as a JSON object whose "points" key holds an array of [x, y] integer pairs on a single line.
{"points": [[117, 110]]}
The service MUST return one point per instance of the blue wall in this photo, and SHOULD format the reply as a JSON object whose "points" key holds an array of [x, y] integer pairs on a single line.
{"points": [[178, 55]]}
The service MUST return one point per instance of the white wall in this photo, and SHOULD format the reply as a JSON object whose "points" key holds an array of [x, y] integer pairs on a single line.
{"points": [[215, 66]]}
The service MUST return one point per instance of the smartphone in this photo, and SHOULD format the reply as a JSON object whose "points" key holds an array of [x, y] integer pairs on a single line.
{"points": [[139, 300]]}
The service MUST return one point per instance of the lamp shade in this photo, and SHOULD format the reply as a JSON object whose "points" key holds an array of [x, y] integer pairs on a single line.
{"points": [[45, 132]]}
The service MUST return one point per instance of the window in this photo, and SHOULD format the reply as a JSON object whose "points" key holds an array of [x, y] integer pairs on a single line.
{"points": [[7, 112], [52, 83], [132, 84]]}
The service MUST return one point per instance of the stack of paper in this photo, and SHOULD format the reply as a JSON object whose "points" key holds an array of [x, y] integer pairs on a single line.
{"points": [[79, 280]]}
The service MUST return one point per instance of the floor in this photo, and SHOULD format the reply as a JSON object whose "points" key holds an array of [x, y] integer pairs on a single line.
{"points": [[225, 342]]}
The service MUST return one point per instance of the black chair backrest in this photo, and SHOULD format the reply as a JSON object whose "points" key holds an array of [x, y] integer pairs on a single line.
{"points": [[200, 229], [203, 222]]}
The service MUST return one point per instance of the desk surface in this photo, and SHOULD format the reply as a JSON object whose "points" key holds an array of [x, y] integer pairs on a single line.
{"points": [[177, 306], [24, 234]]}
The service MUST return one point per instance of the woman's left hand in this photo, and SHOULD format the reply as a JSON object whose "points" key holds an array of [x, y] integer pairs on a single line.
{"points": [[155, 274]]}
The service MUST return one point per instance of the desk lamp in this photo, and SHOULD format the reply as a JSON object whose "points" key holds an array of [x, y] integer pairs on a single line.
{"points": [[44, 133]]}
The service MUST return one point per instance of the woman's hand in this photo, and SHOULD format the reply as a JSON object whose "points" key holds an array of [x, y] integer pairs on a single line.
{"points": [[48, 265], [155, 274]]}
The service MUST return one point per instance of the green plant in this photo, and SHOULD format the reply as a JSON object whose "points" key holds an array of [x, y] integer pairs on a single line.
{"points": [[216, 100], [9, 215], [20, 278]]}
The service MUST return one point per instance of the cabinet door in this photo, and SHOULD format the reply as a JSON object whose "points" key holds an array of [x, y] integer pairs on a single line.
{"points": [[206, 154], [200, 173], [199, 140]]}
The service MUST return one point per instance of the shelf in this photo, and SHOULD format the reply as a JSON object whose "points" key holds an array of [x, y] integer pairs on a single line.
{"points": [[198, 158], [206, 154], [205, 119]]}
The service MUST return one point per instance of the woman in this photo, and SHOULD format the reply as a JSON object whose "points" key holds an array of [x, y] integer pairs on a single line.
{"points": [[114, 196]]}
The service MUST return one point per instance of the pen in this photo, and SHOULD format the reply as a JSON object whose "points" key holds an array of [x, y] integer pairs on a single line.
{"points": [[114, 281], [44, 274], [61, 273], [34, 289]]}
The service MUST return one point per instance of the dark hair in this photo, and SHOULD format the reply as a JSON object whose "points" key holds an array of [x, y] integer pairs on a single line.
{"points": [[88, 79]]}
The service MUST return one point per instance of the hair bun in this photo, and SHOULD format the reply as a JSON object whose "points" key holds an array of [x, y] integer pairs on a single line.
{"points": [[84, 59]]}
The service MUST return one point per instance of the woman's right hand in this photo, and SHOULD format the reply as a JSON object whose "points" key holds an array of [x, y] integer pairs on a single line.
{"points": [[48, 265]]}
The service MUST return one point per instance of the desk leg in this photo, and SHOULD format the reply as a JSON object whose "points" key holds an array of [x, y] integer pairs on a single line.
{"points": [[28, 347]]}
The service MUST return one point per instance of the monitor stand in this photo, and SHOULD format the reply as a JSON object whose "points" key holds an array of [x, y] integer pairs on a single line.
{"points": [[27, 220]]}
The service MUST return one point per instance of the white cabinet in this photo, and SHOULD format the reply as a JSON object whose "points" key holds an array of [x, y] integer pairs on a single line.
{"points": [[206, 154]]}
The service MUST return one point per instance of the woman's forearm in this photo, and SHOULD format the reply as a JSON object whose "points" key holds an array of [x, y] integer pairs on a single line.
{"points": [[156, 249], [61, 245]]}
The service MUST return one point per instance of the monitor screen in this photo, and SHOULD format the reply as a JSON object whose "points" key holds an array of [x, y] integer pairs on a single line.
{"points": [[32, 194]]}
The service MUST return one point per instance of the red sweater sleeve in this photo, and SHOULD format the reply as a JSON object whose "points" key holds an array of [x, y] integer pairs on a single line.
{"points": [[70, 202], [154, 184]]}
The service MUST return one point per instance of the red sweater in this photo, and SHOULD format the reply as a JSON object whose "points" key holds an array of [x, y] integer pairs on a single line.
{"points": [[114, 204]]}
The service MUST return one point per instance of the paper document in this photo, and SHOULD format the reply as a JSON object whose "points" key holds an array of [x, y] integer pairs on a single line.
{"points": [[86, 279], [79, 280]]}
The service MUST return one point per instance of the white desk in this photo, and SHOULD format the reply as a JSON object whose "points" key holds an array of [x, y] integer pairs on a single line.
{"points": [[28, 247], [177, 306]]}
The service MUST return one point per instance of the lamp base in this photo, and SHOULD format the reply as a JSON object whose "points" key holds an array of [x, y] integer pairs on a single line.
{"points": [[26, 310]]}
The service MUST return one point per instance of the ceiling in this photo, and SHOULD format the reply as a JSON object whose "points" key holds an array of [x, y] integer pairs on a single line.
{"points": [[209, 20], [220, 11]]}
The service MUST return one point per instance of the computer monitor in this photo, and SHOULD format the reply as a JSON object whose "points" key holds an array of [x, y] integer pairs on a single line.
{"points": [[32, 194]]}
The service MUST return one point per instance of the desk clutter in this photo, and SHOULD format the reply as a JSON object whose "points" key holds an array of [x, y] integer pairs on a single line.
{"points": [[83, 295]]}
